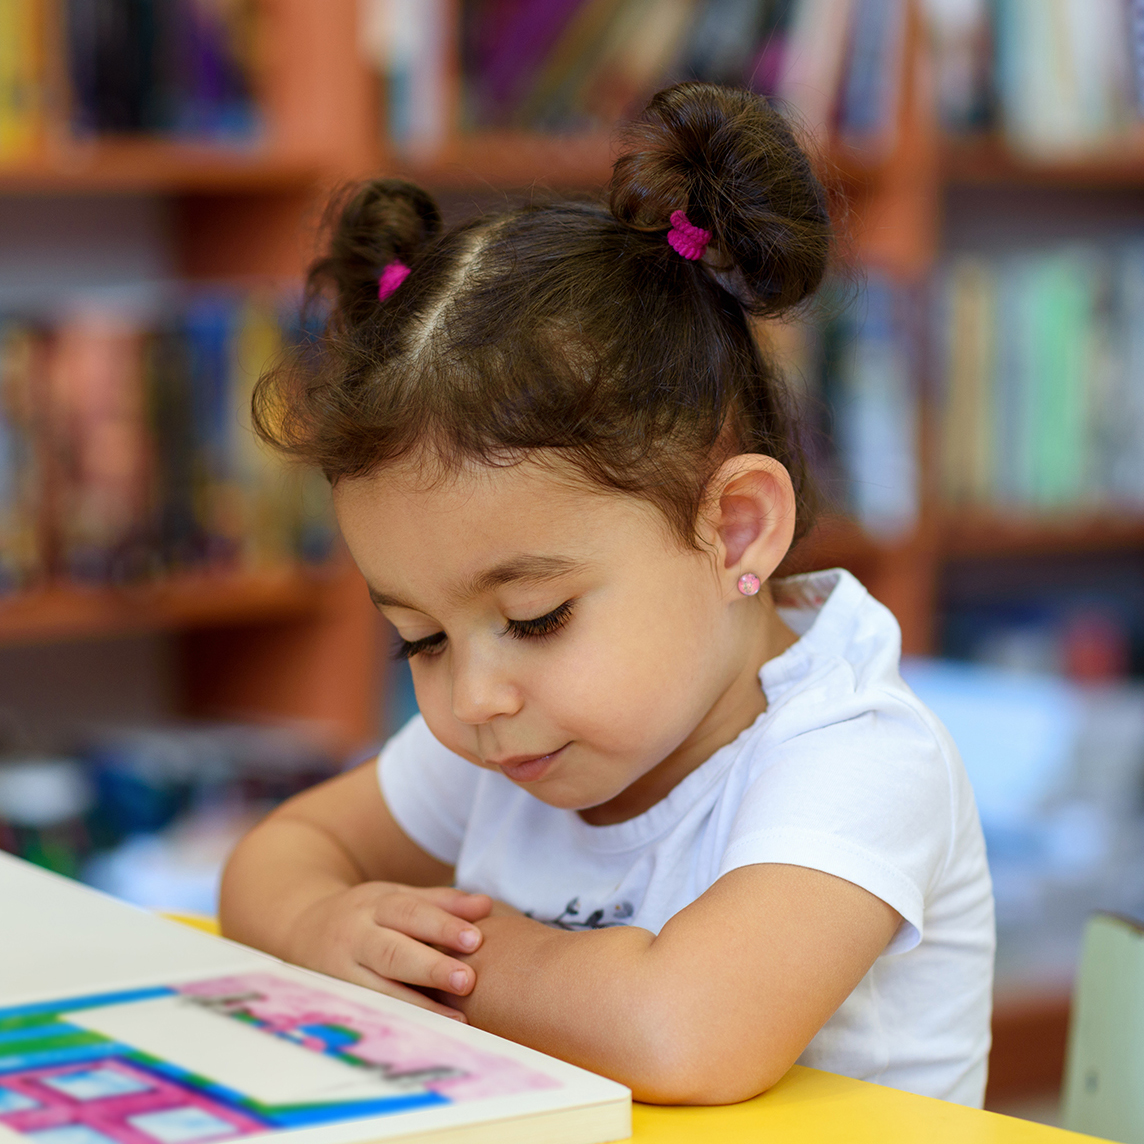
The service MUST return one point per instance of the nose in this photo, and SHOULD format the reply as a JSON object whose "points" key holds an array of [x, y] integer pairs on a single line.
{"points": [[481, 689]]}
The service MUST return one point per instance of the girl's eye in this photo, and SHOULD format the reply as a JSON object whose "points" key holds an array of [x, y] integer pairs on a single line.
{"points": [[428, 645], [538, 628], [542, 626]]}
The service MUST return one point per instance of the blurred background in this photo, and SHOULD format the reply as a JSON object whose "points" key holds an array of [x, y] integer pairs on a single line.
{"points": [[182, 640]]}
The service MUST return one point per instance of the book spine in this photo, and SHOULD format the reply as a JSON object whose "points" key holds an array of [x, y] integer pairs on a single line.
{"points": [[876, 416], [1042, 393], [409, 42], [814, 60], [24, 554], [22, 77], [869, 100]]}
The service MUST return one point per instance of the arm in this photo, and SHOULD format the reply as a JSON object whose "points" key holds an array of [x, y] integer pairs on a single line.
{"points": [[330, 881], [714, 1009]]}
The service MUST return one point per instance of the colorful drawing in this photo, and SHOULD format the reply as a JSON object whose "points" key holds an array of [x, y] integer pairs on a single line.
{"points": [[178, 1065]]}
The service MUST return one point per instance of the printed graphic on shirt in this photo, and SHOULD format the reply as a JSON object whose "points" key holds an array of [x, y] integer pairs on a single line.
{"points": [[602, 918]]}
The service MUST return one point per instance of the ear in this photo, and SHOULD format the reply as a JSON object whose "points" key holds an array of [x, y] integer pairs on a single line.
{"points": [[749, 516]]}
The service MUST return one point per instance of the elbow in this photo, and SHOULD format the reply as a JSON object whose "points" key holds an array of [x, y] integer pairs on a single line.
{"points": [[690, 1062], [700, 1084]]}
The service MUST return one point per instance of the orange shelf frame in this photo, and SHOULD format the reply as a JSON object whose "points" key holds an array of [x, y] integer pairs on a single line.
{"points": [[179, 602], [505, 160], [989, 161], [148, 165], [968, 534]]}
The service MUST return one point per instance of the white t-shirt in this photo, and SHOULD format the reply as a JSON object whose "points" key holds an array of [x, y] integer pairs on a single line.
{"points": [[846, 772]]}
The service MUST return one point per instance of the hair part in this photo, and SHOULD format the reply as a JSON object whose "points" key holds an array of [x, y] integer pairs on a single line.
{"points": [[570, 327]]}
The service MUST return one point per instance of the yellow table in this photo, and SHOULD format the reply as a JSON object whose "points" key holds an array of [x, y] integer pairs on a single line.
{"points": [[812, 1107]]}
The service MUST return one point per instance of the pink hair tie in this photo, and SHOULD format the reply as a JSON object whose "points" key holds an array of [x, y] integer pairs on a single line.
{"points": [[391, 277], [686, 239]]}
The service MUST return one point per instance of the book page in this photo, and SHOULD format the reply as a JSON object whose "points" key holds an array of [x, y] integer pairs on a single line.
{"points": [[226, 1057]]}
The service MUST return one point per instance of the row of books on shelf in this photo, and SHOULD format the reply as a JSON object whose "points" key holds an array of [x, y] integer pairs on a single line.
{"points": [[1042, 379], [150, 811], [579, 65], [850, 367], [125, 447], [1054, 77], [180, 67]]}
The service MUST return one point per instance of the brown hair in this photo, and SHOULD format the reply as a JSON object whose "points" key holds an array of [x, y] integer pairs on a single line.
{"points": [[572, 327]]}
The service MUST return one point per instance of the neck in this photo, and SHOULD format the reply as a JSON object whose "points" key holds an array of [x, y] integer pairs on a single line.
{"points": [[737, 706]]}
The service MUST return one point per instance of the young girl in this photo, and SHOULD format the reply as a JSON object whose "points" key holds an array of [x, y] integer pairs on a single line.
{"points": [[660, 815]]}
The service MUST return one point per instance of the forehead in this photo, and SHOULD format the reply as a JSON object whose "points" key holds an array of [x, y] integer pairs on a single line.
{"points": [[401, 523]]}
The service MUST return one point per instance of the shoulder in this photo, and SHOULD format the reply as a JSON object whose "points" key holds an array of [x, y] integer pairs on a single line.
{"points": [[841, 684], [848, 771]]}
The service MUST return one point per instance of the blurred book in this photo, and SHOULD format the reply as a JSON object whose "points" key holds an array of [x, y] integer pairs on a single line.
{"points": [[24, 554], [23, 77], [150, 812], [848, 365], [1080, 616], [1055, 77], [126, 449], [1041, 400], [960, 41], [183, 67], [407, 41], [579, 65]]}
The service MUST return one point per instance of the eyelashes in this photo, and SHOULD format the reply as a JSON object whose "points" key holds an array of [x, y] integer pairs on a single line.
{"points": [[536, 629], [407, 649], [542, 626]]}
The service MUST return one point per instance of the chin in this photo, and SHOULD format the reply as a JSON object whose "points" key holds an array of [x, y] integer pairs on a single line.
{"points": [[571, 800]]}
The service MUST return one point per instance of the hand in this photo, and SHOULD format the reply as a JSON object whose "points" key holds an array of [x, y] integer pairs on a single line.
{"points": [[394, 939]]}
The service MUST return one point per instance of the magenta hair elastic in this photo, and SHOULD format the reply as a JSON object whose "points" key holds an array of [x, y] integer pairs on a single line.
{"points": [[391, 277], [686, 239]]}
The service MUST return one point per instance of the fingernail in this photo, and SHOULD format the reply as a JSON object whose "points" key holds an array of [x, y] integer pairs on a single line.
{"points": [[458, 979], [469, 939], [457, 1015]]}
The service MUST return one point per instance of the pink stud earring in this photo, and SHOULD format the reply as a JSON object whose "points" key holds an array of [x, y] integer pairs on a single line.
{"points": [[749, 584]]}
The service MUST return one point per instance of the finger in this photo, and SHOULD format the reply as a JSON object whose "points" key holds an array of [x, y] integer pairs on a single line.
{"points": [[398, 957], [363, 975], [471, 907], [411, 914]]}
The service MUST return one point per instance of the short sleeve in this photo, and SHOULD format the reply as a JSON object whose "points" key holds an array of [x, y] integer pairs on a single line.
{"points": [[868, 799], [429, 790]]}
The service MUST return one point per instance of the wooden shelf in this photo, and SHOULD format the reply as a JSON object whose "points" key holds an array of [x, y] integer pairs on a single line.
{"points": [[180, 602], [512, 159], [989, 161], [506, 160], [143, 165], [969, 534]]}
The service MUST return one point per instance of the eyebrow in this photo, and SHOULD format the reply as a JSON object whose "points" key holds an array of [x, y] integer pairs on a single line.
{"points": [[515, 570]]}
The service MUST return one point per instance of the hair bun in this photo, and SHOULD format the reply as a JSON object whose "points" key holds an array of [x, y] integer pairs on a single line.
{"points": [[371, 226], [730, 161]]}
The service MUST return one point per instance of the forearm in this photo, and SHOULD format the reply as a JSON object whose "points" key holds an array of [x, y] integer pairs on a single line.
{"points": [[713, 1009], [589, 998], [276, 872]]}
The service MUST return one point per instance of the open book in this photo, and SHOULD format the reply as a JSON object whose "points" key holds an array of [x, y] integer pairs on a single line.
{"points": [[119, 1027]]}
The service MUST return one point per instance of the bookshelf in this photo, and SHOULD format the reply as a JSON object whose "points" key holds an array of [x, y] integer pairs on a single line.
{"points": [[289, 641], [305, 642]]}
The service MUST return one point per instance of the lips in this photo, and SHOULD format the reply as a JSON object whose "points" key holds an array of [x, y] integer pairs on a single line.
{"points": [[526, 768]]}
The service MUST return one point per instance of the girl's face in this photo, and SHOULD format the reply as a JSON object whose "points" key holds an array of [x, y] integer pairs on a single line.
{"points": [[559, 634]]}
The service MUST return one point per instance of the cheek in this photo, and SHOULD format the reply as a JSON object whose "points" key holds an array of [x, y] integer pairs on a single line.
{"points": [[643, 679], [431, 686]]}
